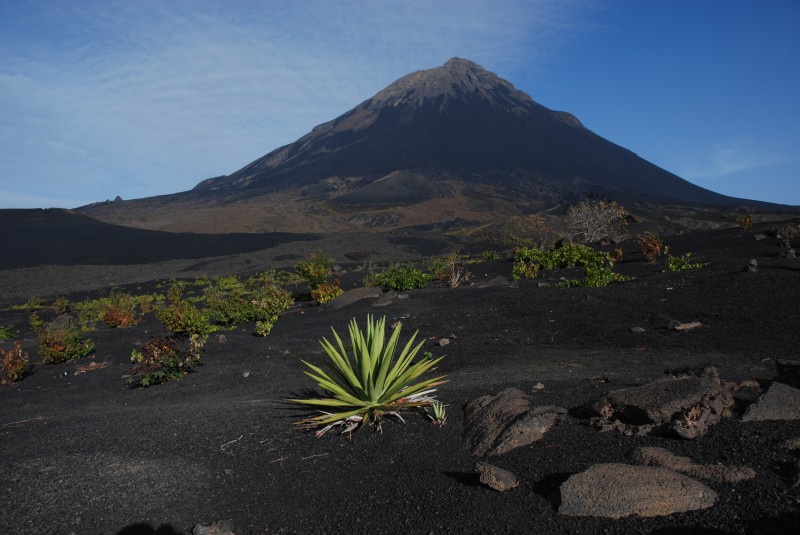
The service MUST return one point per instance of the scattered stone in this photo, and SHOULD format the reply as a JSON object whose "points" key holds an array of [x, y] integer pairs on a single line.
{"points": [[760, 236], [752, 266], [638, 329], [227, 472], [651, 456], [675, 325], [444, 341], [63, 321], [492, 283], [685, 401], [356, 294], [496, 478], [221, 339], [791, 254], [246, 374], [538, 386], [223, 527], [615, 490], [402, 295], [791, 444], [494, 425], [385, 298], [779, 402], [787, 366]]}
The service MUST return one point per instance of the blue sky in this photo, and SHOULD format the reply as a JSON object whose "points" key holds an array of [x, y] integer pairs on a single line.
{"points": [[106, 98]]}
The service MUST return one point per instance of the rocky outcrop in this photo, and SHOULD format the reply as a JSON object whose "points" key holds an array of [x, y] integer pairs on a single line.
{"points": [[494, 425], [687, 402], [616, 490]]}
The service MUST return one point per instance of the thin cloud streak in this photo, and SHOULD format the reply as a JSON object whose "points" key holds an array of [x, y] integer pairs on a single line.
{"points": [[140, 99], [725, 159]]}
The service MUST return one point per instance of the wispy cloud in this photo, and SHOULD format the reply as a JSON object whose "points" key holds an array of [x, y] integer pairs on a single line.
{"points": [[728, 158], [142, 98]]}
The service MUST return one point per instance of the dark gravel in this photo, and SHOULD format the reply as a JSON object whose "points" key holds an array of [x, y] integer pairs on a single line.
{"points": [[84, 454]]}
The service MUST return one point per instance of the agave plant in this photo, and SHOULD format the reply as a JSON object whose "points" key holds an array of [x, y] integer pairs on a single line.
{"points": [[370, 382]]}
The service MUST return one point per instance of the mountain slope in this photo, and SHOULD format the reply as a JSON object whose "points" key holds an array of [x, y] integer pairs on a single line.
{"points": [[456, 141], [461, 121]]}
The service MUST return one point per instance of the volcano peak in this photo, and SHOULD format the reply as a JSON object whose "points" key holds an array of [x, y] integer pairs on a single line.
{"points": [[458, 79]]}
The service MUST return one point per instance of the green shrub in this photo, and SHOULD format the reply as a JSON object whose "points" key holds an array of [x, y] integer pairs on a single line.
{"points": [[487, 256], [258, 299], [399, 277], [120, 310], [449, 270], [597, 265], [681, 263], [61, 345], [317, 272], [62, 305], [14, 362], [5, 333], [369, 383], [184, 319], [326, 292], [163, 359]]}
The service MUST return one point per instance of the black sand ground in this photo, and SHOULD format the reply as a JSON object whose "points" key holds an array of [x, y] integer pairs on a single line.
{"points": [[84, 454]]}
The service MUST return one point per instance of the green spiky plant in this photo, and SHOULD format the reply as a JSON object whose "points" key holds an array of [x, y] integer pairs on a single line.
{"points": [[370, 382]]}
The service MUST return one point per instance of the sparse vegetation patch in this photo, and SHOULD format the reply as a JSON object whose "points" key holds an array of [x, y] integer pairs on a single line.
{"points": [[317, 272], [399, 277], [164, 358], [63, 344], [14, 362], [597, 265]]}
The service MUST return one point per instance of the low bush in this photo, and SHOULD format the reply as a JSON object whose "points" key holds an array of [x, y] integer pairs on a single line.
{"points": [[257, 299], [5, 333], [681, 263], [120, 310], [597, 265], [62, 305], [326, 292], [164, 358], [399, 277], [745, 221], [652, 246], [488, 256], [183, 318], [317, 272], [62, 345], [449, 270], [592, 221], [14, 362], [369, 383], [180, 317]]}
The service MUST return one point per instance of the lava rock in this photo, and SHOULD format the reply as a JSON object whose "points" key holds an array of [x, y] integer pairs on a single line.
{"points": [[614, 490], [651, 456], [686, 401], [496, 478], [494, 425], [779, 402]]}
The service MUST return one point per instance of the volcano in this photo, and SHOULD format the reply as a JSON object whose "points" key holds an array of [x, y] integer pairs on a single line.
{"points": [[456, 142]]}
